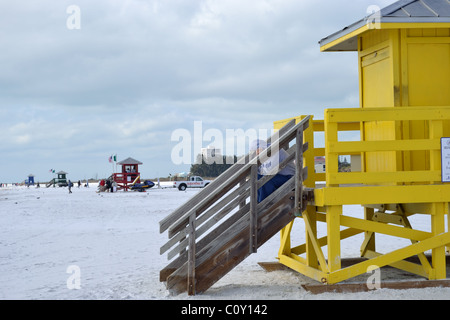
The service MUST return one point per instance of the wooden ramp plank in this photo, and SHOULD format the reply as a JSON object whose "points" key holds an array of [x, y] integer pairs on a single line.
{"points": [[272, 266], [318, 288], [275, 265], [362, 287]]}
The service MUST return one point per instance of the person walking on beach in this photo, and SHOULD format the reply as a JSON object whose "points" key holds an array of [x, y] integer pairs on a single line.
{"points": [[70, 186]]}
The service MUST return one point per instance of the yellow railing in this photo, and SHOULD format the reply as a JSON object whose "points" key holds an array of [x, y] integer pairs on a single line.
{"points": [[400, 148], [319, 126], [316, 126]]}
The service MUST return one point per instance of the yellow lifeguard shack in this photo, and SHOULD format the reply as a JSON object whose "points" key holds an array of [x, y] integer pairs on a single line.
{"points": [[403, 121], [402, 147]]}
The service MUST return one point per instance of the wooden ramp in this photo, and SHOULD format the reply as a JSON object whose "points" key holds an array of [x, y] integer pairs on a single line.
{"points": [[223, 224], [50, 183]]}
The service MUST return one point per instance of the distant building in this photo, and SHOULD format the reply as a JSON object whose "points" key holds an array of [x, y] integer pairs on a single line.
{"points": [[211, 152], [319, 164]]}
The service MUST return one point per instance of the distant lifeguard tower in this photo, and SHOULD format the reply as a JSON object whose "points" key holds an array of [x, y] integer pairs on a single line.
{"points": [[60, 180], [129, 175], [30, 180]]}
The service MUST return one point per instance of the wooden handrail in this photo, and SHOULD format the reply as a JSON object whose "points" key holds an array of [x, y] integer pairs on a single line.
{"points": [[212, 187], [241, 170]]}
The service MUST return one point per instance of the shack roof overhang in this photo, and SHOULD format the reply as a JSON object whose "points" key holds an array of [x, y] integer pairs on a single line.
{"points": [[129, 161], [401, 14]]}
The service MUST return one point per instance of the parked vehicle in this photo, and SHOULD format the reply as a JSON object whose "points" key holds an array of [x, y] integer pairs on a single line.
{"points": [[141, 187], [193, 182]]}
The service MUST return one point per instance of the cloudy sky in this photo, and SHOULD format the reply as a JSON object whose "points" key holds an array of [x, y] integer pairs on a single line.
{"points": [[136, 71]]}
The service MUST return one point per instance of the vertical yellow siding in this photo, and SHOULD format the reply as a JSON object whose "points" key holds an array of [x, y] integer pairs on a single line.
{"points": [[377, 90], [409, 67], [426, 81]]}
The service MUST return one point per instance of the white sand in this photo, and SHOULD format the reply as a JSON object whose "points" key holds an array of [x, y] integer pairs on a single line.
{"points": [[114, 240]]}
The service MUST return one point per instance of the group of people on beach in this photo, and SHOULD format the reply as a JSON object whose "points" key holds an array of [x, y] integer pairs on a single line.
{"points": [[107, 185], [70, 185]]}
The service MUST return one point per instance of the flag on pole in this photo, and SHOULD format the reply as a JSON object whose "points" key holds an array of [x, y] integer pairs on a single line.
{"points": [[115, 158], [110, 159], [51, 170]]}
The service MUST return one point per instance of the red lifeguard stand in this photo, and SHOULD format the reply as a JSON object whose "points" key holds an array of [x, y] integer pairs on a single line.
{"points": [[129, 175]]}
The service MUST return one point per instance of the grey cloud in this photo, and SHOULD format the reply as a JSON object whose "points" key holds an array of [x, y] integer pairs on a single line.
{"points": [[137, 70]]}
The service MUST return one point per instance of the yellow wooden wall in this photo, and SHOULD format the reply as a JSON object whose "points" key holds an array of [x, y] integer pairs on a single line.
{"points": [[402, 67]]}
